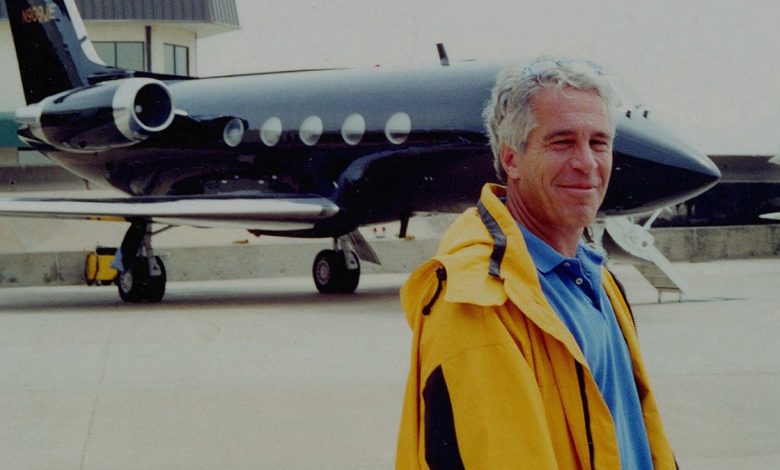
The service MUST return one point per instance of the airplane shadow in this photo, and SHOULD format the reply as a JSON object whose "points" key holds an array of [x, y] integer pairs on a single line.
{"points": [[194, 295], [304, 297]]}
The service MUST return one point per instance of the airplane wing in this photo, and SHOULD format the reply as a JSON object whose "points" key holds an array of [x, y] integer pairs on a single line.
{"points": [[266, 212], [771, 216]]}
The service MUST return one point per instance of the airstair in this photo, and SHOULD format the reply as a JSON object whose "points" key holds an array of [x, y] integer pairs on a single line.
{"points": [[624, 239]]}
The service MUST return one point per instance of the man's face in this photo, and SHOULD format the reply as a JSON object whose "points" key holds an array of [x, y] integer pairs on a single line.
{"points": [[562, 176]]}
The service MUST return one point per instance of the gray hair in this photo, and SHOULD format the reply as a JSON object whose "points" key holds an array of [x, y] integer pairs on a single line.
{"points": [[509, 117]]}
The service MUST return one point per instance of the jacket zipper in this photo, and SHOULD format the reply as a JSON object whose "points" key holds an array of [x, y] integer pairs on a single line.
{"points": [[586, 413], [625, 299]]}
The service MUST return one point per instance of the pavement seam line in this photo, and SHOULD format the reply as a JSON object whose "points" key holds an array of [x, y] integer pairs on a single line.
{"points": [[99, 390]]}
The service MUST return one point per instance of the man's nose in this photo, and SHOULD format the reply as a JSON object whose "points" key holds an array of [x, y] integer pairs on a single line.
{"points": [[583, 158]]}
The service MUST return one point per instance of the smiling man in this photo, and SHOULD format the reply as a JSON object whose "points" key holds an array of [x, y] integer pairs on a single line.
{"points": [[556, 185], [524, 351]]}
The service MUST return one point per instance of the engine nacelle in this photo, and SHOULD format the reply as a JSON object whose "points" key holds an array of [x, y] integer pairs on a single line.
{"points": [[111, 114]]}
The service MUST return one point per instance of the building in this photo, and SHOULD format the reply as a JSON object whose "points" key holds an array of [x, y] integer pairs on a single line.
{"points": [[151, 35]]}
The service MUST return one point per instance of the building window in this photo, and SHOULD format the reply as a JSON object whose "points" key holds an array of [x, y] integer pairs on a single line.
{"points": [[177, 59], [127, 55]]}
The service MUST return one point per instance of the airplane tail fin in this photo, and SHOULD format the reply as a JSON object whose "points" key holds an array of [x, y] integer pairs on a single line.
{"points": [[52, 48]]}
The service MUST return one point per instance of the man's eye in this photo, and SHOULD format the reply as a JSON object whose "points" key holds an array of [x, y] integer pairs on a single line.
{"points": [[560, 144], [599, 144]]}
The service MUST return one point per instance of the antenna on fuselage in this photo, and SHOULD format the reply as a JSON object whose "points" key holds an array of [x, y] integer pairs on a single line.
{"points": [[443, 59]]}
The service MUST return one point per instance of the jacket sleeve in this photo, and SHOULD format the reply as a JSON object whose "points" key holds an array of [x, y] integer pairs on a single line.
{"points": [[474, 402]]}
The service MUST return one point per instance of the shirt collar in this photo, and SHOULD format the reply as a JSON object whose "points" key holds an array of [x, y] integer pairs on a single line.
{"points": [[546, 258]]}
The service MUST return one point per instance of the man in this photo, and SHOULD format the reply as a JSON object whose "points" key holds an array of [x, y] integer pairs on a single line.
{"points": [[524, 352]]}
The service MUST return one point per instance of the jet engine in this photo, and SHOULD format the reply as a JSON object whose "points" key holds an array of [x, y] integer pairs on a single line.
{"points": [[107, 115]]}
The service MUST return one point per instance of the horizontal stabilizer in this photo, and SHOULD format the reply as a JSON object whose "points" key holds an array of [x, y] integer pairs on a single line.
{"points": [[271, 213]]}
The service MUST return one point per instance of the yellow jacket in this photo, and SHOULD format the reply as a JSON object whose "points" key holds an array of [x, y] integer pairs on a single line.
{"points": [[496, 380]]}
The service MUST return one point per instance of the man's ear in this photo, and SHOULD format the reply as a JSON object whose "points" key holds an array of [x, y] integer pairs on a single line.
{"points": [[510, 161]]}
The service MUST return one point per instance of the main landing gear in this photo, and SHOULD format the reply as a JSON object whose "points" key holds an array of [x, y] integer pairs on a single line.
{"points": [[337, 271], [141, 275]]}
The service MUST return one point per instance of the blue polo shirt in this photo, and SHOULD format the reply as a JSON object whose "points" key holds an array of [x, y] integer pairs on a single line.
{"points": [[573, 288]]}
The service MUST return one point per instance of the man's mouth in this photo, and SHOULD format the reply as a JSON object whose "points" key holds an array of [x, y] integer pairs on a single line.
{"points": [[578, 186]]}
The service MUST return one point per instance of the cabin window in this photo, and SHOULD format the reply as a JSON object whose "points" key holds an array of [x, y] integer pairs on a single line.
{"points": [[398, 128], [271, 131], [311, 130], [353, 129], [126, 55], [177, 59]]}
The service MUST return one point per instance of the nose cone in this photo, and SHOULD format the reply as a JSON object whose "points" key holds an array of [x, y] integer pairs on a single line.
{"points": [[653, 168]]}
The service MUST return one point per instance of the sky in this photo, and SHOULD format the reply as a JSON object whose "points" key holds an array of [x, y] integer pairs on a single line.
{"points": [[709, 70]]}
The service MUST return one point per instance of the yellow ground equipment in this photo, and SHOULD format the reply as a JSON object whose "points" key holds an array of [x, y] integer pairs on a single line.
{"points": [[97, 267]]}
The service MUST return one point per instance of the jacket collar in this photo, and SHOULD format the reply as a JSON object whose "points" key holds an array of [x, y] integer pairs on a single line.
{"points": [[488, 262]]}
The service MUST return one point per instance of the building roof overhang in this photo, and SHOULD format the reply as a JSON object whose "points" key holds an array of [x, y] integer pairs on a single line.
{"points": [[203, 17]]}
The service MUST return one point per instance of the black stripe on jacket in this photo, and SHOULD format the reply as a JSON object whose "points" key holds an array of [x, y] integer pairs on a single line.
{"points": [[499, 240], [441, 444]]}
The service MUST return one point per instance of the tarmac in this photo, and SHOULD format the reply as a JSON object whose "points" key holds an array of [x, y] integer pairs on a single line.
{"points": [[268, 374]]}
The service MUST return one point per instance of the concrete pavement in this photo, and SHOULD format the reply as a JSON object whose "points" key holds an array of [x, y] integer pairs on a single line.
{"points": [[715, 364], [266, 373]]}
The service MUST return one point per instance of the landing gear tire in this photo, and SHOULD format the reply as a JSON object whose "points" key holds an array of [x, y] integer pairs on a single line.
{"points": [[331, 275], [136, 285]]}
